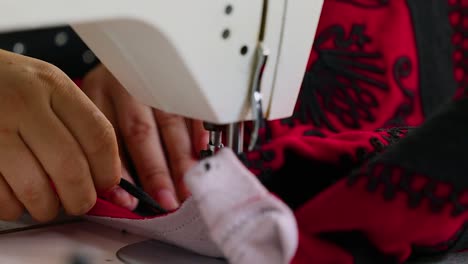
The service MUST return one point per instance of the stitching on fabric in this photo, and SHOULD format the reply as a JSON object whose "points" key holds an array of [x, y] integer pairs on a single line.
{"points": [[175, 229], [242, 222]]}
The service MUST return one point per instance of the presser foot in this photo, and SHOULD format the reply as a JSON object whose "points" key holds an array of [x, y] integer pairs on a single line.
{"points": [[234, 137], [215, 139]]}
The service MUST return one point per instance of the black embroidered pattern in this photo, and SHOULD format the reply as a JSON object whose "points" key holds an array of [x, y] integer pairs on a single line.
{"points": [[394, 134], [391, 136], [295, 189], [378, 174], [458, 14], [340, 80], [366, 3], [402, 69], [432, 156]]}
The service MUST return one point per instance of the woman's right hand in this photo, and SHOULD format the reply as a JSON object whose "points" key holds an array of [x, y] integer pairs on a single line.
{"points": [[56, 148]]}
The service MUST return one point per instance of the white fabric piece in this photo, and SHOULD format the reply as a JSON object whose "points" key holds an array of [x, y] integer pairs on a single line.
{"points": [[184, 228], [230, 215], [247, 222]]}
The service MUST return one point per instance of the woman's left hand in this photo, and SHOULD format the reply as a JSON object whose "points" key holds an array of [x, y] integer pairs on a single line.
{"points": [[161, 146]]}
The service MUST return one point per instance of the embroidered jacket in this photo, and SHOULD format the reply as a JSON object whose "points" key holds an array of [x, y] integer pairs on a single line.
{"points": [[374, 159]]}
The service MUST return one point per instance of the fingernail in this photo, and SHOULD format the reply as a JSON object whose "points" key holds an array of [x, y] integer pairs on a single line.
{"points": [[167, 199], [124, 199]]}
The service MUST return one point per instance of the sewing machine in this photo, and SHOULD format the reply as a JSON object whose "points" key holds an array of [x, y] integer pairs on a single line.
{"points": [[224, 62]]}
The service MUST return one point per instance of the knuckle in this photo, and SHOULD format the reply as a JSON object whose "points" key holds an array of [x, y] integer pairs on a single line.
{"points": [[37, 201], [48, 73], [26, 88], [73, 169], [138, 130], [78, 178], [31, 194], [105, 139], [50, 77]]}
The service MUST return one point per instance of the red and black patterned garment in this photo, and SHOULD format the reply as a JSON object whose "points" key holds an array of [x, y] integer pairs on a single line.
{"points": [[374, 161]]}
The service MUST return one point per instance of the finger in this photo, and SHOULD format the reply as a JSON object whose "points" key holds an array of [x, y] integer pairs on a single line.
{"points": [[141, 137], [27, 179], [121, 197], [179, 148], [62, 159], [93, 132], [102, 100], [10, 208], [199, 135]]}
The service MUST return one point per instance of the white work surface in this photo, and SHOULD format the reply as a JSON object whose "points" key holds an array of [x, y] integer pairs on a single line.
{"points": [[57, 244], [62, 242]]}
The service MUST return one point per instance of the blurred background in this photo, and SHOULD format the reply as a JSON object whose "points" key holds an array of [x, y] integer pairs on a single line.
{"points": [[59, 46]]}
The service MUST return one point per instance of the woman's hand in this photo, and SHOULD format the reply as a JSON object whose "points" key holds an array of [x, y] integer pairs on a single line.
{"points": [[161, 146], [56, 147]]}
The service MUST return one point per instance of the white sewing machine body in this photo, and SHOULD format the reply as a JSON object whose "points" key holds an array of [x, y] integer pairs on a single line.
{"points": [[187, 57]]}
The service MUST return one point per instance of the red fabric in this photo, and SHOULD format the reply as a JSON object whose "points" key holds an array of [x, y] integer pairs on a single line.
{"points": [[328, 150], [390, 36], [391, 226]]}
